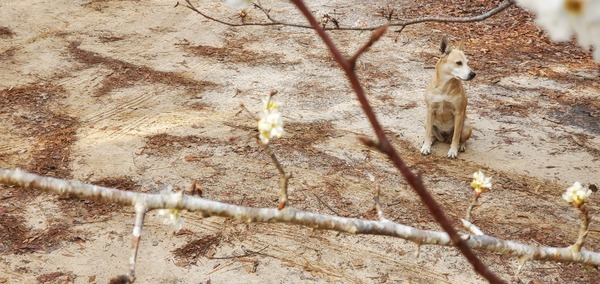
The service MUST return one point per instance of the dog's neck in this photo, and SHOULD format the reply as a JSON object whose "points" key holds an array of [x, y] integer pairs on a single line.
{"points": [[444, 80]]}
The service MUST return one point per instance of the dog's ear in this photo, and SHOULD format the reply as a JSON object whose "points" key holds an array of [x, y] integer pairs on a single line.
{"points": [[444, 47], [461, 44]]}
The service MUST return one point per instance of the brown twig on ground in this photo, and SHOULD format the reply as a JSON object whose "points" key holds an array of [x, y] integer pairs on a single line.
{"points": [[326, 205], [386, 147], [401, 23]]}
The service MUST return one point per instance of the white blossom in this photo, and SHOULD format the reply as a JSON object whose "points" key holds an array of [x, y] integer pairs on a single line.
{"points": [[576, 194], [360, 23], [270, 124], [172, 216], [564, 18], [238, 4], [480, 182]]}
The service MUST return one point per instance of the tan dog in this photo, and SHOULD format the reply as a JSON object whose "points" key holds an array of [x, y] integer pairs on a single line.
{"points": [[446, 101]]}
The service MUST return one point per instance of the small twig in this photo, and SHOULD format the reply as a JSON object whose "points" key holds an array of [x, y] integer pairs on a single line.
{"points": [[471, 206], [243, 108], [472, 228], [553, 121], [522, 261], [417, 250], [375, 36], [398, 33], [140, 213], [583, 229], [326, 205], [190, 6], [380, 213], [368, 142], [247, 252], [283, 177]]}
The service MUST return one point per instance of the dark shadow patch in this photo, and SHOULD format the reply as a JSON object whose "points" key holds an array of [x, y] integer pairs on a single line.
{"points": [[126, 74], [584, 116]]}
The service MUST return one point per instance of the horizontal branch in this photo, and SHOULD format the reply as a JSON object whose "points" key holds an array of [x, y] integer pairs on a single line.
{"points": [[399, 23], [290, 215]]}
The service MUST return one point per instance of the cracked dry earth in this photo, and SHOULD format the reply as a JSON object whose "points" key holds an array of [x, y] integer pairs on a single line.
{"points": [[139, 95]]}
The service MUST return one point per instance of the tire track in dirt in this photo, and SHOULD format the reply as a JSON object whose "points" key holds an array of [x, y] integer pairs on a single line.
{"points": [[121, 108]]}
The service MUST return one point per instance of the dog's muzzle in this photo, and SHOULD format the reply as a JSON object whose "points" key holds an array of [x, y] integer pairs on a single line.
{"points": [[471, 76]]}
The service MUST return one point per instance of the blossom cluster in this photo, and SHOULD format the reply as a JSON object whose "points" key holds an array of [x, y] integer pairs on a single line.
{"points": [[576, 194], [480, 182], [270, 124]]}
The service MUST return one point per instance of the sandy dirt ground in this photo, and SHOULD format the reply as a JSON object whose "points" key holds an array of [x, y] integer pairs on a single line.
{"points": [[139, 95]]}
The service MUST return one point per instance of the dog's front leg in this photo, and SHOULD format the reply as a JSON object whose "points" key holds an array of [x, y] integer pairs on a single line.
{"points": [[458, 126], [426, 149]]}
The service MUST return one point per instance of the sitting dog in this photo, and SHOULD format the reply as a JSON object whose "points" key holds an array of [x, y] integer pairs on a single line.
{"points": [[446, 101]]}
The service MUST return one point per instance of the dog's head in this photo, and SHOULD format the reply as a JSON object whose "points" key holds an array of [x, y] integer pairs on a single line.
{"points": [[454, 61]]}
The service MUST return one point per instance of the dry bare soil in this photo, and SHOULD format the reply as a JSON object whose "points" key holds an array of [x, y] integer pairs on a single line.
{"points": [[139, 95]]}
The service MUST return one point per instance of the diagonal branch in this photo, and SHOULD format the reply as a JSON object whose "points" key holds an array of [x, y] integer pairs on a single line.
{"points": [[386, 147]]}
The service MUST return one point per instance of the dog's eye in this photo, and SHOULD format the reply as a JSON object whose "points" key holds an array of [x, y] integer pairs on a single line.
{"points": [[459, 63]]}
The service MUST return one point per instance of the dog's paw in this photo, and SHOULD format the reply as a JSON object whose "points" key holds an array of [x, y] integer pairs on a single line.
{"points": [[426, 149], [453, 153], [461, 148]]}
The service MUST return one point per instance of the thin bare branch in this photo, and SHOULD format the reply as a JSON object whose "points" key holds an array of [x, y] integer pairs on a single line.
{"points": [[190, 6], [503, 6], [291, 216], [400, 23], [380, 213], [283, 177]]}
